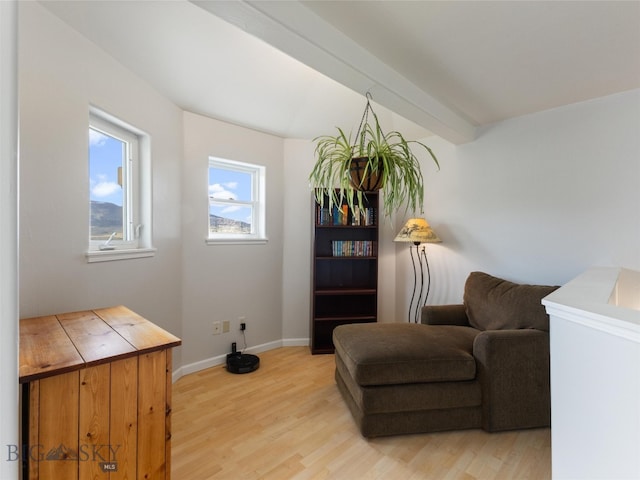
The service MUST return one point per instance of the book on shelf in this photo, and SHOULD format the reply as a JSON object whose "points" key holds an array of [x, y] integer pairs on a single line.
{"points": [[364, 216], [323, 216], [371, 216], [355, 217], [341, 215], [337, 215], [353, 248]]}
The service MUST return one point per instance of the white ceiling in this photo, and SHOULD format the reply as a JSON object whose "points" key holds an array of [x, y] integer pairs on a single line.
{"points": [[441, 66]]}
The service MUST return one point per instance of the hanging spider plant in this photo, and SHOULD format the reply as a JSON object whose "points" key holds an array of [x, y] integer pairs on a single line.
{"points": [[346, 169]]}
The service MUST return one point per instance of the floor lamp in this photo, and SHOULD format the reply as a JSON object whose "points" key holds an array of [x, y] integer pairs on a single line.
{"points": [[418, 231]]}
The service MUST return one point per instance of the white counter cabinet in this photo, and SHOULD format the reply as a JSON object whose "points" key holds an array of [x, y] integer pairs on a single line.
{"points": [[595, 375]]}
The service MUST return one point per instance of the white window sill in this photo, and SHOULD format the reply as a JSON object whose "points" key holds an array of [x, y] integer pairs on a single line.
{"points": [[236, 241], [111, 255]]}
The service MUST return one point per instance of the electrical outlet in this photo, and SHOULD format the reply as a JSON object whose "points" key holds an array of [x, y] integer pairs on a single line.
{"points": [[217, 328], [243, 326], [226, 325], [243, 323]]}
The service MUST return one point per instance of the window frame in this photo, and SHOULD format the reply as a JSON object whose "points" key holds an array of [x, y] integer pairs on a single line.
{"points": [[257, 202], [136, 179]]}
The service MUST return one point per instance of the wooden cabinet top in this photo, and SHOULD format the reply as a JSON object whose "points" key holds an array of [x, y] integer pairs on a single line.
{"points": [[61, 343]]}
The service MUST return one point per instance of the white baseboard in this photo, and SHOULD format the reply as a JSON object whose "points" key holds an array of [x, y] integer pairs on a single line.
{"points": [[295, 342], [221, 359]]}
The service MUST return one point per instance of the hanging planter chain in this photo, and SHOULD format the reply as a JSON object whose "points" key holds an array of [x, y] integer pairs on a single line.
{"points": [[361, 134], [363, 177]]}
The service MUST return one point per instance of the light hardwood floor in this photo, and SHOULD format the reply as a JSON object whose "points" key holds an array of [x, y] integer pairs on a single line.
{"points": [[288, 421]]}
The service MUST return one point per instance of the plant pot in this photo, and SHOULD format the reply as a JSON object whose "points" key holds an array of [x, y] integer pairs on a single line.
{"points": [[369, 182]]}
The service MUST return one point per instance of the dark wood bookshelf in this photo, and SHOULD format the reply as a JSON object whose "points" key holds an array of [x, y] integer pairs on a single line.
{"points": [[345, 270]]}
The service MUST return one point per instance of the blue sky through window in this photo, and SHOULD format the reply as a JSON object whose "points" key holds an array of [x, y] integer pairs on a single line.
{"points": [[106, 154], [230, 184]]}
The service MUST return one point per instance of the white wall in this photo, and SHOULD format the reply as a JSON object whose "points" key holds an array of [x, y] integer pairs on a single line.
{"points": [[536, 199], [224, 282], [298, 232], [9, 466], [60, 75]]}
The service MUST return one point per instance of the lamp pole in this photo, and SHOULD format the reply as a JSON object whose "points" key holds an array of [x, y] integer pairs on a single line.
{"points": [[417, 231], [423, 262]]}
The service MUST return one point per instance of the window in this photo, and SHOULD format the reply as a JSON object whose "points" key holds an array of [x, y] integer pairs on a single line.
{"points": [[236, 201], [118, 182]]}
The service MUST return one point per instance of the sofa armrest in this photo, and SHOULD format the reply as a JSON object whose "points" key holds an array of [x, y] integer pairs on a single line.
{"points": [[513, 369], [444, 315]]}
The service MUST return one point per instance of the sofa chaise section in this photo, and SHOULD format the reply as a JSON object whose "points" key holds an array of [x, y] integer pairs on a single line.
{"points": [[484, 363]]}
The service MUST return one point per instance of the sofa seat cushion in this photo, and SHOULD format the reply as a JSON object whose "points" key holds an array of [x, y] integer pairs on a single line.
{"points": [[399, 353], [410, 397]]}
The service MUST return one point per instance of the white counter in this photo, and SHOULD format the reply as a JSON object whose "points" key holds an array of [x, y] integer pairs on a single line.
{"points": [[595, 375]]}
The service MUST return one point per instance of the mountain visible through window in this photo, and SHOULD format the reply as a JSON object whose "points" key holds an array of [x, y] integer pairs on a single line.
{"points": [[236, 192], [230, 204], [107, 156]]}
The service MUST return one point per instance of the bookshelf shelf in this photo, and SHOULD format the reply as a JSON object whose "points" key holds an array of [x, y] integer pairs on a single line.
{"points": [[350, 227], [347, 291], [347, 257], [351, 319], [345, 269]]}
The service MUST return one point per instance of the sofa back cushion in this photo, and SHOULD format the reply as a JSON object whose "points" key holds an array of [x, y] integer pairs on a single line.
{"points": [[495, 304]]}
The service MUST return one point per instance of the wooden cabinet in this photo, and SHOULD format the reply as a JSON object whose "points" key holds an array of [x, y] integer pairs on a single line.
{"points": [[96, 396], [345, 269]]}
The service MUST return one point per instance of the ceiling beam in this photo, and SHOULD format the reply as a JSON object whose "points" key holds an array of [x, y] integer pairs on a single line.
{"points": [[300, 33]]}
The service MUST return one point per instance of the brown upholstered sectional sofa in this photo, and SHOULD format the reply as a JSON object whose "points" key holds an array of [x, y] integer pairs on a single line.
{"points": [[480, 364]]}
